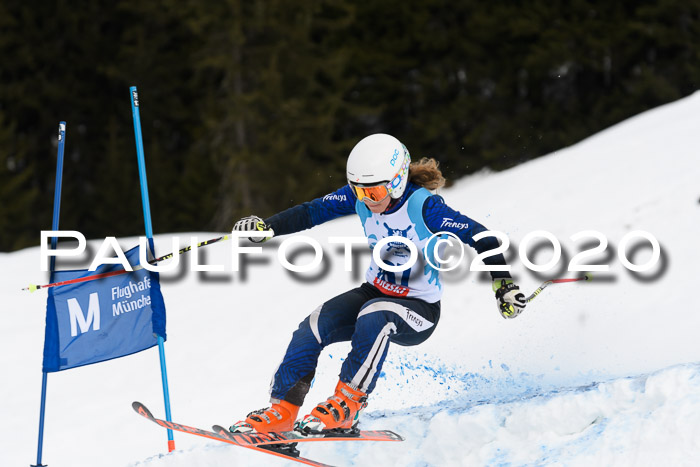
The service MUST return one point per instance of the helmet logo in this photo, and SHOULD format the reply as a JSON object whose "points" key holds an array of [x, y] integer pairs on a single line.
{"points": [[394, 157], [400, 175]]}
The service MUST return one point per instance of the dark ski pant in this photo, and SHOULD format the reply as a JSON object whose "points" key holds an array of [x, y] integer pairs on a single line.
{"points": [[368, 318]]}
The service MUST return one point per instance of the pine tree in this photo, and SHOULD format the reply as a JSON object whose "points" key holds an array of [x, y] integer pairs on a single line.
{"points": [[18, 194], [273, 87]]}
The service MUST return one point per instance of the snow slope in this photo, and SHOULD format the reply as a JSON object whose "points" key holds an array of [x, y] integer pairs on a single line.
{"points": [[601, 373]]}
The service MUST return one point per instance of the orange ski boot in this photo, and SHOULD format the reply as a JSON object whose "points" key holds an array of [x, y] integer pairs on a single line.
{"points": [[339, 412], [280, 417]]}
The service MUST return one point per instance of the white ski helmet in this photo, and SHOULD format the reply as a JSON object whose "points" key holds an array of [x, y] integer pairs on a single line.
{"points": [[379, 159]]}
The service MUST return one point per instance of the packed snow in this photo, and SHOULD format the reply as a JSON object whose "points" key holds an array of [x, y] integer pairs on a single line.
{"points": [[592, 373]]}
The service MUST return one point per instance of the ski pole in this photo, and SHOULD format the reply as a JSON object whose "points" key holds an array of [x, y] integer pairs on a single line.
{"points": [[585, 277], [188, 248], [77, 280]]}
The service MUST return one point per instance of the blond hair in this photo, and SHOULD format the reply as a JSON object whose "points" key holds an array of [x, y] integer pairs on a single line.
{"points": [[426, 173]]}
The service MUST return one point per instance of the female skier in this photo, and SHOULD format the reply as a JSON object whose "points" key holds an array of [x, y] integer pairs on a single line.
{"points": [[391, 197]]}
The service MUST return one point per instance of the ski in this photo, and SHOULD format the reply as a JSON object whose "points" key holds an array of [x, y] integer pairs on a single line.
{"points": [[290, 454], [266, 439], [279, 444]]}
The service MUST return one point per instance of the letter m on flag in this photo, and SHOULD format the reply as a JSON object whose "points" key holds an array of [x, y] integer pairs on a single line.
{"points": [[77, 319]]}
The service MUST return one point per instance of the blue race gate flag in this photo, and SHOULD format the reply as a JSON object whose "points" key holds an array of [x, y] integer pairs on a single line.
{"points": [[94, 321]]}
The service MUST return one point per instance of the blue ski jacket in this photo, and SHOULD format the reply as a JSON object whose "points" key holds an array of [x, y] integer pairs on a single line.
{"points": [[437, 216]]}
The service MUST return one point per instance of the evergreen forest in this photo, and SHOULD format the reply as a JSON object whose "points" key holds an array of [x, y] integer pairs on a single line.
{"points": [[250, 107]]}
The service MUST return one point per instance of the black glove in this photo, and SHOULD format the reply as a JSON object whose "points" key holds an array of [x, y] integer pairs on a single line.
{"points": [[253, 223], [511, 302]]}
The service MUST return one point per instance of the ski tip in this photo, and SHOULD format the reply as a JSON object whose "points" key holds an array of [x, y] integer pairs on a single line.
{"points": [[392, 435], [221, 431], [141, 409]]}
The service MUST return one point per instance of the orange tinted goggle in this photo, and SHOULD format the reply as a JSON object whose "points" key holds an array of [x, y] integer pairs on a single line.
{"points": [[375, 193]]}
